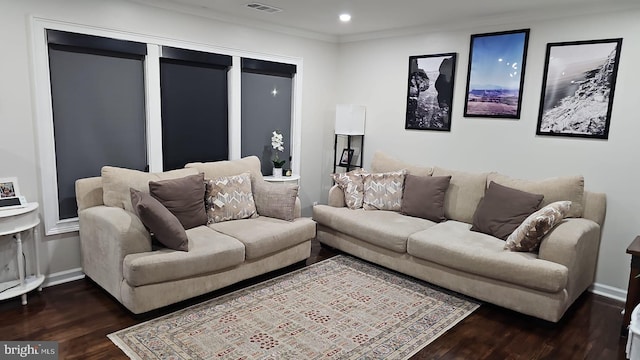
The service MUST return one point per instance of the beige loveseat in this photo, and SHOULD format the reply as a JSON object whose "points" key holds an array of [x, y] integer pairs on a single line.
{"points": [[542, 284], [117, 250]]}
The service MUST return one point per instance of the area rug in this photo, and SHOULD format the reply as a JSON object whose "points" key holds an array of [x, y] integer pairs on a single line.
{"points": [[340, 308]]}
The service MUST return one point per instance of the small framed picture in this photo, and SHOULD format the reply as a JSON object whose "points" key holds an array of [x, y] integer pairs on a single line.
{"points": [[9, 188], [347, 155]]}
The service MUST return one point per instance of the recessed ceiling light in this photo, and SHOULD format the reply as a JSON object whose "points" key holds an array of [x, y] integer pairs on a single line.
{"points": [[345, 17]]}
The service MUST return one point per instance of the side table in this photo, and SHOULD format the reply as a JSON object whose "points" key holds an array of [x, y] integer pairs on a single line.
{"points": [[633, 290], [15, 222], [295, 178]]}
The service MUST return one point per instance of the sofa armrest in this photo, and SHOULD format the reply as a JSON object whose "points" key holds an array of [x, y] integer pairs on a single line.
{"points": [[107, 235], [336, 197], [89, 192], [297, 210], [574, 243]]}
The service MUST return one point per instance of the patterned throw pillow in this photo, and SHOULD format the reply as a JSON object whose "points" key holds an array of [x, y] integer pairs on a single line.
{"points": [[383, 191], [230, 198], [352, 184], [528, 236]]}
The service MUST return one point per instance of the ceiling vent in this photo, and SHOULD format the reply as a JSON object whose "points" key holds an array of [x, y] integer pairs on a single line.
{"points": [[262, 7]]}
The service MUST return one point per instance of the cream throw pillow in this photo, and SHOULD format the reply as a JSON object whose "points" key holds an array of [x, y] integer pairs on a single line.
{"points": [[352, 184], [383, 191], [528, 236], [275, 200], [230, 198]]}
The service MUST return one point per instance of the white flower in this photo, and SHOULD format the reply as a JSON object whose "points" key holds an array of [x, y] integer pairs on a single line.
{"points": [[277, 142]]}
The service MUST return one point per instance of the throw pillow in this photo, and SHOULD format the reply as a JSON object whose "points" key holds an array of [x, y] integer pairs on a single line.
{"points": [[423, 196], [117, 181], [159, 220], [230, 198], [383, 191], [352, 184], [528, 236], [275, 200], [183, 197], [565, 188], [503, 209]]}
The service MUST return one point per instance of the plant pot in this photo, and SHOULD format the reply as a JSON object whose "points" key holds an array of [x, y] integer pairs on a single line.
{"points": [[277, 172]]}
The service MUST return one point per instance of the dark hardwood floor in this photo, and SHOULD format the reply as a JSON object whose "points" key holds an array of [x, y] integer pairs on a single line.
{"points": [[79, 315]]}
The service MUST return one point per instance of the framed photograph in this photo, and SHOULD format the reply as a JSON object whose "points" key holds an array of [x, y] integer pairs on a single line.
{"points": [[430, 91], [496, 74], [577, 89], [9, 187], [347, 155]]}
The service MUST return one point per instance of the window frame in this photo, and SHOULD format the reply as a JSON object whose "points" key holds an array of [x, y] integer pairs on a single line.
{"points": [[43, 122]]}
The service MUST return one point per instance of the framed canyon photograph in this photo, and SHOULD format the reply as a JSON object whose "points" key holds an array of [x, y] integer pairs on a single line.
{"points": [[496, 74], [430, 91], [577, 89]]}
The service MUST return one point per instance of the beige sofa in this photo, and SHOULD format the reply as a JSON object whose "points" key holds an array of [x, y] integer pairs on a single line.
{"points": [[448, 254], [117, 250]]}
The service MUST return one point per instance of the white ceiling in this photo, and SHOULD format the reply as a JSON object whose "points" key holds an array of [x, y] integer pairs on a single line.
{"points": [[319, 18]]}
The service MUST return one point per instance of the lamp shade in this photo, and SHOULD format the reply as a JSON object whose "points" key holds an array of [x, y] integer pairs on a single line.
{"points": [[350, 119]]}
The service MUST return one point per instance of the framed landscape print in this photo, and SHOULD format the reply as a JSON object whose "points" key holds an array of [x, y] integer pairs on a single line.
{"points": [[496, 74], [430, 92], [577, 88]]}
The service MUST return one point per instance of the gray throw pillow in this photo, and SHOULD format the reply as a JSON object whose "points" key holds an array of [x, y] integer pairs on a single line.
{"points": [[275, 200], [503, 209], [423, 196], [160, 221], [183, 197]]}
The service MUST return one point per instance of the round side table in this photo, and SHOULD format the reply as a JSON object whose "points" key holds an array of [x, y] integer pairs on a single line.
{"points": [[15, 222]]}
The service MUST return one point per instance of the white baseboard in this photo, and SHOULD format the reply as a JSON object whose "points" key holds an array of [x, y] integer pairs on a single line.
{"points": [[609, 291], [63, 277]]}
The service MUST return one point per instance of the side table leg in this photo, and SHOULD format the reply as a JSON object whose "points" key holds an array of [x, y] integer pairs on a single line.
{"points": [[36, 248], [20, 265]]}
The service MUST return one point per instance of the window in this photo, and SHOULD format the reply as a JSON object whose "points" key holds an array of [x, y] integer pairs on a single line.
{"points": [[97, 92], [266, 106], [139, 103]]}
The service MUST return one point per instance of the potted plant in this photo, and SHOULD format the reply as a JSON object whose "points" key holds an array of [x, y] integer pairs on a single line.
{"points": [[277, 143]]}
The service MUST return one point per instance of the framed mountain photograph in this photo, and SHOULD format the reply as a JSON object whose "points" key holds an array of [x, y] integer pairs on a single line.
{"points": [[496, 74], [430, 91], [577, 88]]}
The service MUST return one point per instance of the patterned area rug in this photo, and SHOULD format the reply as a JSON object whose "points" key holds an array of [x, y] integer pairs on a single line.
{"points": [[340, 308]]}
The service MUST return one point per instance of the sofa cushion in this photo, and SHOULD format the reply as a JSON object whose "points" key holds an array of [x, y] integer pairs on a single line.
{"points": [[230, 198], [215, 169], [423, 196], [352, 184], [263, 235], [275, 200], [210, 251], [387, 229], [569, 188], [528, 236], [385, 163], [184, 197], [451, 244], [117, 181], [464, 193], [503, 209], [165, 226], [383, 191]]}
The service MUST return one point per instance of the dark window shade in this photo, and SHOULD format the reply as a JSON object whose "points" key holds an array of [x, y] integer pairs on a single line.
{"points": [[194, 113], [264, 111], [268, 67], [86, 42], [98, 116], [196, 56]]}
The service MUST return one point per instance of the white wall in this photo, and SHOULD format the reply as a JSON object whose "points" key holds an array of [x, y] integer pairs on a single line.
{"points": [[374, 73], [19, 148]]}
